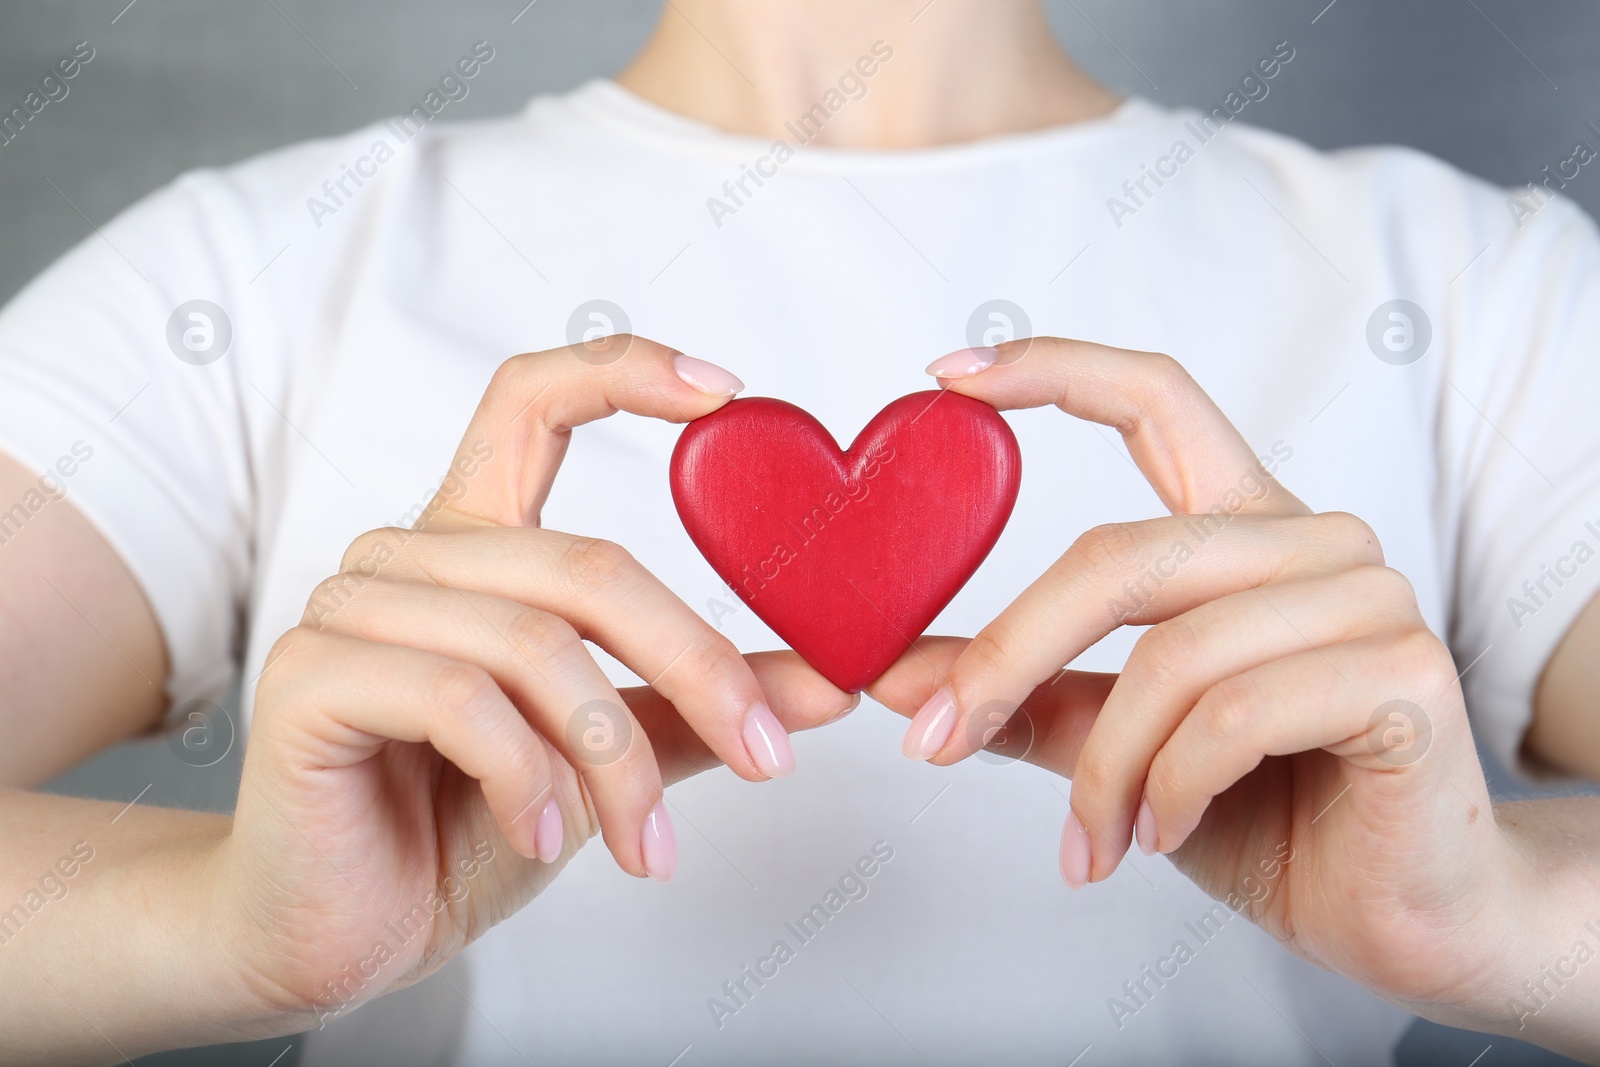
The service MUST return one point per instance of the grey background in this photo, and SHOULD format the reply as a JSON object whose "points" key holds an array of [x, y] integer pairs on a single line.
{"points": [[1499, 88]]}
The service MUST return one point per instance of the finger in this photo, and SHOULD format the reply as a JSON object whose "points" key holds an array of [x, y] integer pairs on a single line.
{"points": [[800, 698], [347, 698], [504, 467], [615, 602], [1177, 661], [1126, 573], [1047, 729], [1193, 457], [918, 673], [540, 662], [1385, 711]]}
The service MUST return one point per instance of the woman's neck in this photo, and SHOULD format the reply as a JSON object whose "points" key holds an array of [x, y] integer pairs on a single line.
{"points": [[956, 70]]}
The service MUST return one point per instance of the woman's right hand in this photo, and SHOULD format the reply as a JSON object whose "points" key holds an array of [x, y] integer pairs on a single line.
{"points": [[434, 741]]}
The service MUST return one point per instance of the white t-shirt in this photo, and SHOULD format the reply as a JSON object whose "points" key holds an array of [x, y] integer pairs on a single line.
{"points": [[364, 327]]}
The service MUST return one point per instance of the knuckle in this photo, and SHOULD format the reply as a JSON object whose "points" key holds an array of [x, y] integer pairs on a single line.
{"points": [[292, 641], [462, 692], [1106, 549], [524, 759], [520, 379], [1165, 782], [1159, 383], [1232, 707], [1353, 534], [334, 586], [1165, 653], [636, 773], [360, 548], [513, 374], [713, 658], [375, 550], [1165, 382], [1379, 585], [300, 645], [592, 563], [1420, 654], [1094, 774], [285, 643], [330, 596], [984, 655], [1167, 372], [539, 635]]}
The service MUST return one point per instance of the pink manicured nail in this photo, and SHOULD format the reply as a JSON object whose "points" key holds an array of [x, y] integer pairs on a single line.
{"points": [[1177, 841], [659, 843], [855, 702], [547, 836], [1075, 854], [709, 378], [768, 742], [1144, 829], [931, 727], [965, 363]]}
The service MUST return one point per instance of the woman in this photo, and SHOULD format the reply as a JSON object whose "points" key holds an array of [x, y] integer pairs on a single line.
{"points": [[263, 362]]}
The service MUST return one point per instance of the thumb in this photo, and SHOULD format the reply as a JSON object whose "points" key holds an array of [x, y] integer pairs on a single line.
{"points": [[800, 697], [1048, 729]]}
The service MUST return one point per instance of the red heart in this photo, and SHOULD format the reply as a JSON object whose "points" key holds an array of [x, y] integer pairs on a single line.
{"points": [[848, 556]]}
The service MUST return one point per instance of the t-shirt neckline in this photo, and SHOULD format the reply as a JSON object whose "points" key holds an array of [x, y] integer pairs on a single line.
{"points": [[605, 102]]}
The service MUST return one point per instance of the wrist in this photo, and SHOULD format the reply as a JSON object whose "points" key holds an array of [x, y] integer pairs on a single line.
{"points": [[1555, 998], [1537, 939], [124, 947], [193, 942], [231, 979]]}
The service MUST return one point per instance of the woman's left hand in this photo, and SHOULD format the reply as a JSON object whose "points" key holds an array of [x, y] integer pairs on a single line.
{"points": [[1288, 729]]}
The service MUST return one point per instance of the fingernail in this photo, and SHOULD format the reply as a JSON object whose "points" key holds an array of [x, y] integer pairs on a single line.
{"points": [[547, 836], [709, 378], [768, 742], [855, 702], [965, 363], [1144, 829], [659, 844], [931, 727], [1177, 841], [1074, 852]]}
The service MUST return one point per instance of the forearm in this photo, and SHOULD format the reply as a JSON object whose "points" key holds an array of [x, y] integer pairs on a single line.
{"points": [[110, 942], [1546, 990]]}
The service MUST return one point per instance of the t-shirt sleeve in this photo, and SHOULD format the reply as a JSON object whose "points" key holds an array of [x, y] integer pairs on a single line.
{"points": [[1519, 422], [126, 359]]}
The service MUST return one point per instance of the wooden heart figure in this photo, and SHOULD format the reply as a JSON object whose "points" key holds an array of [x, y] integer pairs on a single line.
{"points": [[848, 555]]}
